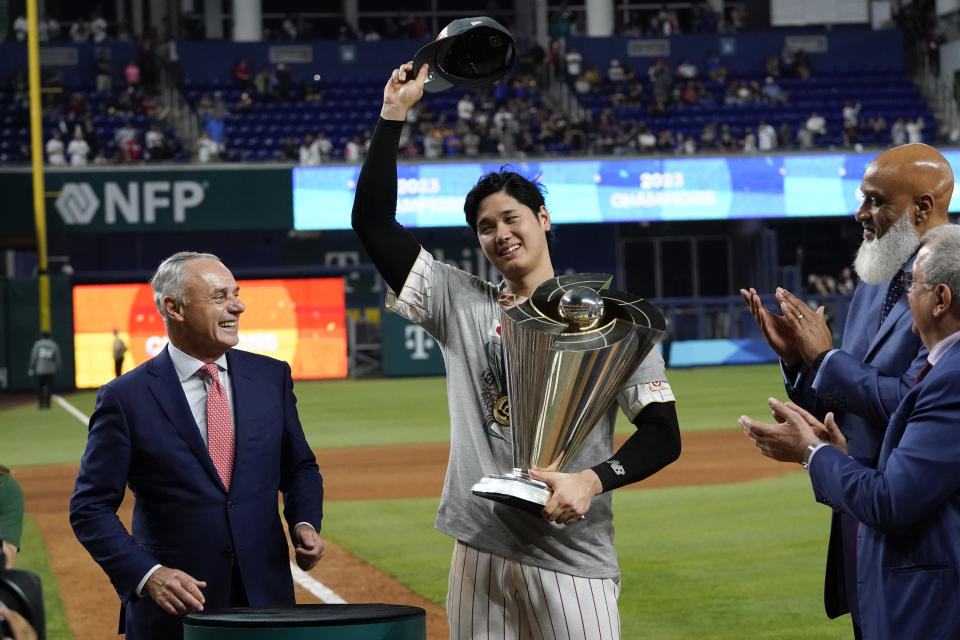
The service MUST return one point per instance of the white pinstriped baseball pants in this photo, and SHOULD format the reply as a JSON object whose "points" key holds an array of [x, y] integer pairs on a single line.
{"points": [[491, 598]]}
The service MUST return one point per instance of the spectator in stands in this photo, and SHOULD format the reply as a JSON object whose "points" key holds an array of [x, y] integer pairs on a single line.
{"points": [[646, 141], [708, 136], [772, 67], [132, 151], [816, 125], [593, 78], [846, 283], [156, 142], [78, 149], [659, 73], [215, 126], [686, 70], [289, 152], [772, 92], [55, 150], [726, 140], [805, 140], [784, 136], [353, 152], [615, 72], [104, 73], [574, 62], [898, 132], [693, 92], [851, 125], [915, 130], [749, 142], [766, 136], [80, 31], [715, 69], [98, 27], [49, 29], [324, 146], [878, 129], [242, 74], [131, 73], [665, 141], [20, 27], [91, 135], [244, 104], [686, 144], [465, 108], [309, 152], [207, 149]]}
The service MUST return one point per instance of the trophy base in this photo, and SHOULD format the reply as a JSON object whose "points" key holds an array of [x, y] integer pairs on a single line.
{"points": [[520, 493]]}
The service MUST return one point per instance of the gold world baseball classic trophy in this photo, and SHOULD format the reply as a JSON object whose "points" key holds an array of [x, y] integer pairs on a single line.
{"points": [[567, 350]]}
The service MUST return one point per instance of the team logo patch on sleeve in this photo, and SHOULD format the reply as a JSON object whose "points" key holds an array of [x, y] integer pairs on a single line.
{"points": [[657, 391]]}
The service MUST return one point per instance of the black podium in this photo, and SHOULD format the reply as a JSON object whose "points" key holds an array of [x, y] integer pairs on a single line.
{"points": [[309, 621]]}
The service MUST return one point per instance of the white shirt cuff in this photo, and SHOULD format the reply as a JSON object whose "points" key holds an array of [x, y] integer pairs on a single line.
{"points": [[143, 582], [814, 452]]}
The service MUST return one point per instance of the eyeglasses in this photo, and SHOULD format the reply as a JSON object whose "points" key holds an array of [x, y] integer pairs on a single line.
{"points": [[909, 281]]}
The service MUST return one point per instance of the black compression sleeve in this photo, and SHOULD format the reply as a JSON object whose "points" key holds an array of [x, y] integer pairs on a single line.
{"points": [[655, 444], [392, 248]]}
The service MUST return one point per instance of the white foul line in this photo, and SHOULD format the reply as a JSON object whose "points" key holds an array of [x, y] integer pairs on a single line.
{"points": [[305, 580], [72, 410], [314, 586]]}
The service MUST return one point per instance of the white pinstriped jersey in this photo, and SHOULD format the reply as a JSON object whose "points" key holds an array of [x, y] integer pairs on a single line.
{"points": [[461, 312]]}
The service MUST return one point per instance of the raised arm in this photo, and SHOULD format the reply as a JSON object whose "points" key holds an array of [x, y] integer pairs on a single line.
{"points": [[392, 248]]}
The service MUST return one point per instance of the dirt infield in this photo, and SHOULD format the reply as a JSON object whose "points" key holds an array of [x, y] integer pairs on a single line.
{"points": [[404, 471]]}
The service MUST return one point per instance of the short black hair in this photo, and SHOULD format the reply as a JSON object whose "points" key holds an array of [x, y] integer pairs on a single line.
{"points": [[525, 191]]}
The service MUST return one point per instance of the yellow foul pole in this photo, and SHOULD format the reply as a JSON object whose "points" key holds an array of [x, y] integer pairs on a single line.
{"points": [[36, 152]]}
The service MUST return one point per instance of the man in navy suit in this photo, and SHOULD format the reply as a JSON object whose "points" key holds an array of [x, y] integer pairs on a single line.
{"points": [[205, 436], [908, 552], [906, 191]]}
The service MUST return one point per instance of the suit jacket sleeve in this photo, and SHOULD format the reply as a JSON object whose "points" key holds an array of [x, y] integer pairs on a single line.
{"points": [[879, 395], [920, 474], [99, 490], [300, 482]]}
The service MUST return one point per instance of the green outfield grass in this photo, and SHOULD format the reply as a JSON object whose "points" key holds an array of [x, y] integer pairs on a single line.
{"points": [[720, 562], [353, 413], [726, 561], [33, 557]]}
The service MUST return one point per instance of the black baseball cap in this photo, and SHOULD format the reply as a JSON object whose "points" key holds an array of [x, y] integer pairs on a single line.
{"points": [[469, 52]]}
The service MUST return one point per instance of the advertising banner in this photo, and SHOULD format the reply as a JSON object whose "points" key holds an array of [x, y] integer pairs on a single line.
{"points": [[189, 199], [299, 321], [598, 190]]}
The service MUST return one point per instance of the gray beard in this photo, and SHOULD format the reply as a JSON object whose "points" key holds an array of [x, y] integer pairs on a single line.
{"points": [[879, 260]]}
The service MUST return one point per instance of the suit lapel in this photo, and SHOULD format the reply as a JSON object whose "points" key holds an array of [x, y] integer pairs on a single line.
{"points": [[245, 393], [901, 307], [166, 388]]}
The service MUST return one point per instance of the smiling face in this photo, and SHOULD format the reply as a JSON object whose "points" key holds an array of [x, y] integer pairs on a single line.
{"points": [[513, 237], [207, 326], [885, 200]]}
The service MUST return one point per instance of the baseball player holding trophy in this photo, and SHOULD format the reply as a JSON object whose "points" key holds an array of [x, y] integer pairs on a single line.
{"points": [[535, 369]]}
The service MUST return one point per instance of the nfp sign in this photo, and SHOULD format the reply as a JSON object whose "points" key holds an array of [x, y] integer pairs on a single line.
{"points": [[130, 202], [116, 200]]}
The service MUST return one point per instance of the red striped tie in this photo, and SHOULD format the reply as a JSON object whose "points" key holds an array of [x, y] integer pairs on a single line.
{"points": [[219, 425]]}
